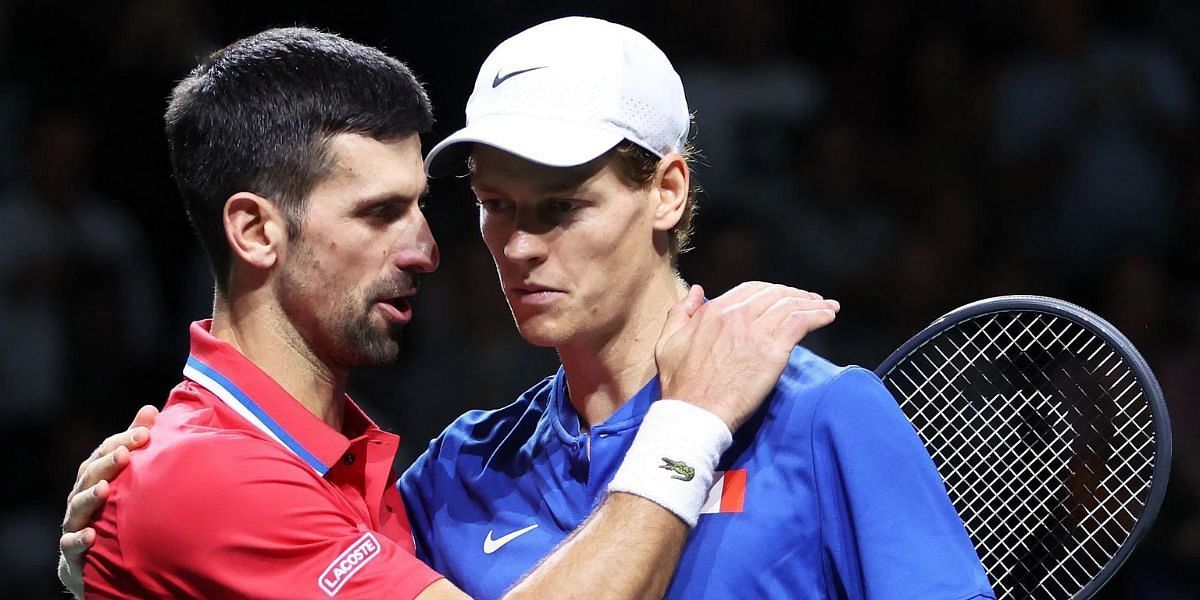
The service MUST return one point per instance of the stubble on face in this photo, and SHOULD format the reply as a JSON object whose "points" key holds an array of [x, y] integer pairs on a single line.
{"points": [[337, 323]]}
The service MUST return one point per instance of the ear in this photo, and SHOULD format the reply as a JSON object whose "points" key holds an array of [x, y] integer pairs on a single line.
{"points": [[671, 184], [255, 229]]}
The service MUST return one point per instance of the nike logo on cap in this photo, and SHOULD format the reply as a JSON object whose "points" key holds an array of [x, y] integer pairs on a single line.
{"points": [[490, 545], [499, 79]]}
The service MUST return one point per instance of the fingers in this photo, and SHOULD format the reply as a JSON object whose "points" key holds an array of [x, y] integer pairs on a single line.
{"points": [[130, 439], [727, 356], [77, 539], [800, 323], [791, 317], [694, 300], [82, 506], [740, 293], [91, 492], [682, 312], [105, 463], [145, 417], [758, 298], [75, 543], [70, 561], [105, 468], [746, 290], [134, 436]]}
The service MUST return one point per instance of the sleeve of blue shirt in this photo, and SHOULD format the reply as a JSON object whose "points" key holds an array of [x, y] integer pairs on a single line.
{"points": [[888, 528], [416, 488]]}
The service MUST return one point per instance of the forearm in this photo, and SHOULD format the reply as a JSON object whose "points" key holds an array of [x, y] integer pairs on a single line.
{"points": [[628, 548], [630, 545]]}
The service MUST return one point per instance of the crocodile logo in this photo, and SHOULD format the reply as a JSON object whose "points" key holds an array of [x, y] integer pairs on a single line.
{"points": [[679, 469]]}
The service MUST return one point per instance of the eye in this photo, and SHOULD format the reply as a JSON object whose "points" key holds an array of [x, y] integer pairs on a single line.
{"points": [[385, 211], [559, 211], [561, 206], [493, 205]]}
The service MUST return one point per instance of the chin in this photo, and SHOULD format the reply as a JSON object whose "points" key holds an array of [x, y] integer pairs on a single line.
{"points": [[371, 347], [540, 330], [377, 355]]}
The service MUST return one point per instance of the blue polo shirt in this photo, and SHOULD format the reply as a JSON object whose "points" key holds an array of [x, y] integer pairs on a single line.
{"points": [[828, 494]]}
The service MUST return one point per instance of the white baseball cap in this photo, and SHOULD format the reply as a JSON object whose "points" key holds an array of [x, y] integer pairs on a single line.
{"points": [[566, 91]]}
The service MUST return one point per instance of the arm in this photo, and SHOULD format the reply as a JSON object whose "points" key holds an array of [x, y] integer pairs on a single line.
{"points": [[724, 356], [628, 548]]}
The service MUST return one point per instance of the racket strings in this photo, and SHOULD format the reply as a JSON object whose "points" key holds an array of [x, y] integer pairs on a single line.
{"points": [[1044, 439]]}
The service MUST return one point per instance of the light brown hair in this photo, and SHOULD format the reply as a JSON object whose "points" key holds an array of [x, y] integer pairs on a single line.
{"points": [[638, 165]]}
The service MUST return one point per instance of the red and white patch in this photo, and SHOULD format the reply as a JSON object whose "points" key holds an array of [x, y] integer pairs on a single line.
{"points": [[348, 563], [728, 493]]}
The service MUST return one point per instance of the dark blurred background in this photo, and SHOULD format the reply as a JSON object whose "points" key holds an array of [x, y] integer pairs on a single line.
{"points": [[904, 157]]}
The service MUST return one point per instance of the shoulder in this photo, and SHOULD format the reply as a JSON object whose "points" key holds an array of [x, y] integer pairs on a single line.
{"points": [[196, 482], [198, 432], [191, 458], [814, 381], [816, 398], [806, 368], [202, 455]]}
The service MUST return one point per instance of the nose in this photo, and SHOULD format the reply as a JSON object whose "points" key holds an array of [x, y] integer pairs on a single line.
{"points": [[430, 257], [421, 253], [524, 246]]}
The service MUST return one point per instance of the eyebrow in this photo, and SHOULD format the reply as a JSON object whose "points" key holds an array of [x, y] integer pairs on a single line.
{"points": [[574, 177]]}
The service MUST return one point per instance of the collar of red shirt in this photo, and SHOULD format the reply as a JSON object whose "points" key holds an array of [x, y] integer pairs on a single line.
{"points": [[230, 376]]}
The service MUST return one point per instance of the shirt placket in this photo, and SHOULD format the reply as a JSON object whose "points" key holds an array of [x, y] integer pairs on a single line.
{"points": [[349, 474], [608, 450]]}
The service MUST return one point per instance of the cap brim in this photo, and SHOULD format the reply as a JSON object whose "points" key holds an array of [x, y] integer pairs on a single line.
{"points": [[546, 141]]}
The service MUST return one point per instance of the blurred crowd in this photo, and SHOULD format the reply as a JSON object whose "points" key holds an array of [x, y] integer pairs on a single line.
{"points": [[904, 157]]}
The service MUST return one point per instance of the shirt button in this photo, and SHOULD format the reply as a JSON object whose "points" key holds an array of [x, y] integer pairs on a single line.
{"points": [[348, 459]]}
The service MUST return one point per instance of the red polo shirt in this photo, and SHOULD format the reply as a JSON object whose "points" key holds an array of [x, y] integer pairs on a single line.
{"points": [[242, 492]]}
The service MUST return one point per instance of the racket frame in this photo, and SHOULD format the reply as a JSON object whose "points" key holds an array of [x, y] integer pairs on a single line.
{"points": [[1127, 351]]}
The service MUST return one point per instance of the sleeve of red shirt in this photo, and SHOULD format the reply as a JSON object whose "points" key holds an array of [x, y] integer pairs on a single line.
{"points": [[258, 525]]}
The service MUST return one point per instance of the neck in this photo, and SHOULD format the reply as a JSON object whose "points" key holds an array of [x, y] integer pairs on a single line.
{"points": [[603, 374], [264, 335]]}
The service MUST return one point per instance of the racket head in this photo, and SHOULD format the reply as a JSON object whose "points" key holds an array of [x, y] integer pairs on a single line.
{"points": [[1013, 338]]}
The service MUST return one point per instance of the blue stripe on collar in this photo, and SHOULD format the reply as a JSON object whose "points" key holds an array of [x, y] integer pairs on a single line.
{"points": [[213, 381]]}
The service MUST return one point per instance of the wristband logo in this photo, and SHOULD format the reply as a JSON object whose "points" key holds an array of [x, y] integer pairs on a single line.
{"points": [[680, 470]]}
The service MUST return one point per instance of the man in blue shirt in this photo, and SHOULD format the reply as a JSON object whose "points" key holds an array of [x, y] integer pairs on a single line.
{"points": [[576, 133]]}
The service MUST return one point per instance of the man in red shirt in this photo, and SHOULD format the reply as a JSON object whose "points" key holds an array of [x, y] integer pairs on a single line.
{"points": [[245, 492], [298, 159]]}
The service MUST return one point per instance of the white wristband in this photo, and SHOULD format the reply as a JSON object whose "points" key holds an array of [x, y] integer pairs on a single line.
{"points": [[672, 459]]}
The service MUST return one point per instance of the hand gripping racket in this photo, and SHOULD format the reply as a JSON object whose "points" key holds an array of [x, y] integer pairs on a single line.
{"points": [[1050, 433]]}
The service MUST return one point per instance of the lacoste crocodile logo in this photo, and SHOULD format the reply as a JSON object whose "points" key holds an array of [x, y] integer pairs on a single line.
{"points": [[680, 469]]}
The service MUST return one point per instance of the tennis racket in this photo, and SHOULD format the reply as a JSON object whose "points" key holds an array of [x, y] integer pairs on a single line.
{"points": [[1050, 433]]}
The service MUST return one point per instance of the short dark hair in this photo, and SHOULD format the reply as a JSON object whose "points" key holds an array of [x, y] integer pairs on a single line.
{"points": [[257, 116]]}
